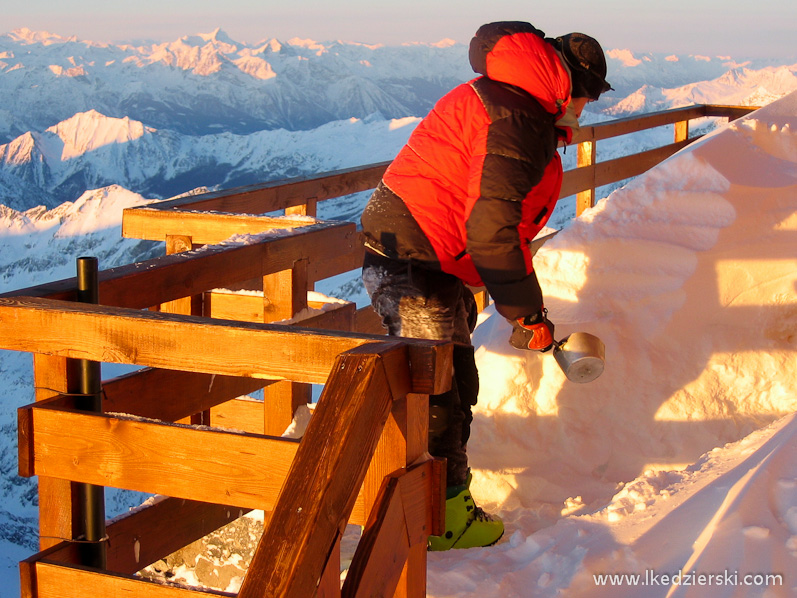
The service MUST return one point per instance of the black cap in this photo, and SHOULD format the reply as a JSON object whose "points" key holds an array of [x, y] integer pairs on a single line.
{"points": [[584, 55]]}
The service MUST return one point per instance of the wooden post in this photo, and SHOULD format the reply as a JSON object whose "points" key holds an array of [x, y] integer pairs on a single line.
{"points": [[58, 504], [404, 440], [586, 158], [284, 295], [681, 131], [308, 209], [190, 305]]}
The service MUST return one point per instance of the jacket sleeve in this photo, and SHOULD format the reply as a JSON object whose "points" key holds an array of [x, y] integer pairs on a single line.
{"points": [[513, 166]]}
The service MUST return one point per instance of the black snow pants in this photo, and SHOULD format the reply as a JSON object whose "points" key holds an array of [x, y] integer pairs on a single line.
{"points": [[418, 302]]}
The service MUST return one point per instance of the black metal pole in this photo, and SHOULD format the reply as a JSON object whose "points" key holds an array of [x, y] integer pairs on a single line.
{"points": [[92, 498]]}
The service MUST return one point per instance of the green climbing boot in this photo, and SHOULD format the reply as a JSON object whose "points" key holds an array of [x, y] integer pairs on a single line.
{"points": [[467, 526]]}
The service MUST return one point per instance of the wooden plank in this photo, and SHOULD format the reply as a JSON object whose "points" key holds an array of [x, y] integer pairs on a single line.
{"points": [[421, 499], [404, 441], [136, 540], [367, 321], [213, 466], [383, 549], [729, 112], [59, 513], [204, 228], [285, 293], [681, 131], [280, 403], [281, 194], [310, 208], [234, 306], [586, 157], [406, 512], [336, 316], [340, 262], [248, 307], [619, 169], [633, 124], [190, 343], [170, 395], [170, 277], [172, 341], [313, 510], [55, 580], [65, 552], [431, 370], [329, 585], [241, 414], [577, 180]]}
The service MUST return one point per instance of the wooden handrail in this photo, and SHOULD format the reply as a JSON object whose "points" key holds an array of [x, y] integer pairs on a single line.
{"points": [[290, 193]]}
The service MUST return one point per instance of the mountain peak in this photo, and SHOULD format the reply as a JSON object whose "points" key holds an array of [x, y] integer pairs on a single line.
{"points": [[27, 36], [216, 38], [626, 57], [218, 35], [87, 131]]}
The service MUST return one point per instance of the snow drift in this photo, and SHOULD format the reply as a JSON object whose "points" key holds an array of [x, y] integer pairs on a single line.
{"points": [[688, 274]]}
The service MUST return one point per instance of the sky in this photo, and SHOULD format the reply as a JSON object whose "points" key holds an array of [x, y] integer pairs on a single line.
{"points": [[737, 28]]}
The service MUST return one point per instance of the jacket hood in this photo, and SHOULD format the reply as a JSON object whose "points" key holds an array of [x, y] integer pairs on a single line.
{"points": [[516, 53]]}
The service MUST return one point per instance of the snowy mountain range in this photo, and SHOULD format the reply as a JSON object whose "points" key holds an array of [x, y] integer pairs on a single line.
{"points": [[208, 83], [205, 110]]}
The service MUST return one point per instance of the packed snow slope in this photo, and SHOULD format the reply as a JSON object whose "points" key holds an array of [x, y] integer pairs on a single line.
{"points": [[688, 274]]}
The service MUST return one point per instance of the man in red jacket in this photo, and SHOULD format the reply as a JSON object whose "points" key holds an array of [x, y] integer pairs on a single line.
{"points": [[477, 180]]}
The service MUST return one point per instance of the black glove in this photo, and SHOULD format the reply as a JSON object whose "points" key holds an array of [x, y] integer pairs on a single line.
{"points": [[533, 332]]}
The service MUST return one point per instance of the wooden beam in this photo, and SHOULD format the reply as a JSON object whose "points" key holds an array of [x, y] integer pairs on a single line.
{"points": [[407, 511], [633, 124], [312, 510], [136, 540], [213, 466], [190, 343], [383, 549], [59, 513], [623, 168], [242, 414], [577, 180], [367, 321], [54, 580], [170, 395], [170, 277], [586, 157], [172, 341], [729, 112], [204, 228], [281, 194]]}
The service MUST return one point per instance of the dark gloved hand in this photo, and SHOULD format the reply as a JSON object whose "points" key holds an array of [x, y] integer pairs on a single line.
{"points": [[533, 332]]}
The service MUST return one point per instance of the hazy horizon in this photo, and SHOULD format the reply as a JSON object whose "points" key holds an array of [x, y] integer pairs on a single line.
{"points": [[710, 27]]}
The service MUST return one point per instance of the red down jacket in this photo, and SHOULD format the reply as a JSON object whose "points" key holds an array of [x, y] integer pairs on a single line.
{"points": [[480, 175]]}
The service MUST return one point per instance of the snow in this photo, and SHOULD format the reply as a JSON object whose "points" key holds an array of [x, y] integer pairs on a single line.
{"points": [[688, 275]]}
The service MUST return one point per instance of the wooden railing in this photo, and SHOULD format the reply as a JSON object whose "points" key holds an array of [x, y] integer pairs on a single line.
{"points": [[218, 318], [589, 174], [363, 453]]}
